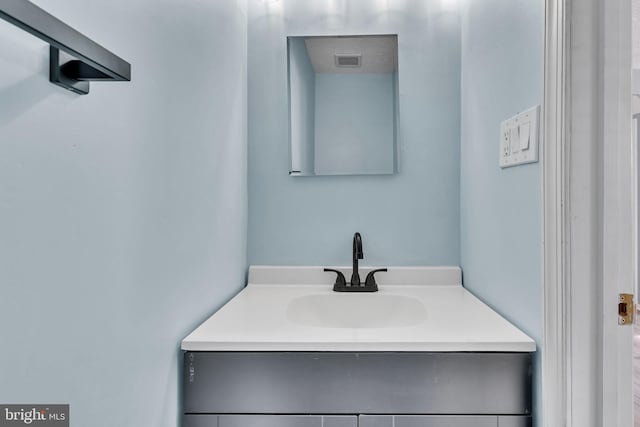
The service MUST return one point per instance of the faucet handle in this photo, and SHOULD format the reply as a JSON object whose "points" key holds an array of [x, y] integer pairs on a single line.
{"points": [[341, 282], [370, 281]]}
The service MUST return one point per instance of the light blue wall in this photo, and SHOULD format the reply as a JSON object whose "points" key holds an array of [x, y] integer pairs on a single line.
{"points": [[122, 213], [411, 218], [354, 123], [502, 74], [302, 107]]}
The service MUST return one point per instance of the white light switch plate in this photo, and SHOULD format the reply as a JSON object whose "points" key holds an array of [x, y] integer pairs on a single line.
{"points": [[519, 138]]}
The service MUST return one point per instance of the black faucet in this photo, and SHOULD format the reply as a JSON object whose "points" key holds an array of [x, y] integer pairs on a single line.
{"points": [[355, 284], [357, 254]]}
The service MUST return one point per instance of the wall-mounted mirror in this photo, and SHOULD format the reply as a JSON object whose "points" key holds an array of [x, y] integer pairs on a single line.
{"points": [[343, 105]]}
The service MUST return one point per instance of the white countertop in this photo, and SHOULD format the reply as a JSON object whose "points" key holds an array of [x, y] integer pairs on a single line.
{"points": [[260, 317]]}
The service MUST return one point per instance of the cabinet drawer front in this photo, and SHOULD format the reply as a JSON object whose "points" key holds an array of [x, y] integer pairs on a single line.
{"points": [[353, 383], [269, 421], [428, 421]]}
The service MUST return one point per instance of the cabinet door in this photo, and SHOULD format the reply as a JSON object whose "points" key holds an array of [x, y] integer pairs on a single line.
{"points": [[286, 421], [200, 421], [428, 421], [514, 421]]}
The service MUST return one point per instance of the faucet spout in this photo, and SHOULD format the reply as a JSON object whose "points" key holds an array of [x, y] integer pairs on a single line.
{"points": [[355, 284], [357, 254]]}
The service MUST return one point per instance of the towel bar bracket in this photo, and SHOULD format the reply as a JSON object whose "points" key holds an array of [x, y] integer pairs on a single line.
{"points": [[73, 74], [61, 75]]}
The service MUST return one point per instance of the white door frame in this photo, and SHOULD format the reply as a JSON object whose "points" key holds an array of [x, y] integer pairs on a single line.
{"points": [[554, 355], [589, 199]]}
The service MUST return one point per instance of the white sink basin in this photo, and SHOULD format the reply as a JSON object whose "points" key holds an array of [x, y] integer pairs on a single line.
{"points": [[356, 310]]}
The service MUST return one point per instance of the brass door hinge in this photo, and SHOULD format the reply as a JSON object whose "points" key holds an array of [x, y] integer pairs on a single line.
{"points": [[626, 309]]}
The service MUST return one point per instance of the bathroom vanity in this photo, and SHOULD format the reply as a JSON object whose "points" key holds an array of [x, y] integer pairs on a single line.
{"points": [[287, 351]]}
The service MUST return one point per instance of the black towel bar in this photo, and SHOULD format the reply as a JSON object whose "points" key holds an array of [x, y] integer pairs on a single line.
{"points": [[93, 62]]}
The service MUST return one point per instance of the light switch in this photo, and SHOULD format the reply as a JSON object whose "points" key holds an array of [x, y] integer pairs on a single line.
{"points": [[524, 135], [515, 140], [519, 138]]}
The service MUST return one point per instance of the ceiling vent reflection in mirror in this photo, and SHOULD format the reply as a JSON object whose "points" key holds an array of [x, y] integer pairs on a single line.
{"points": [[348, 60]]}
